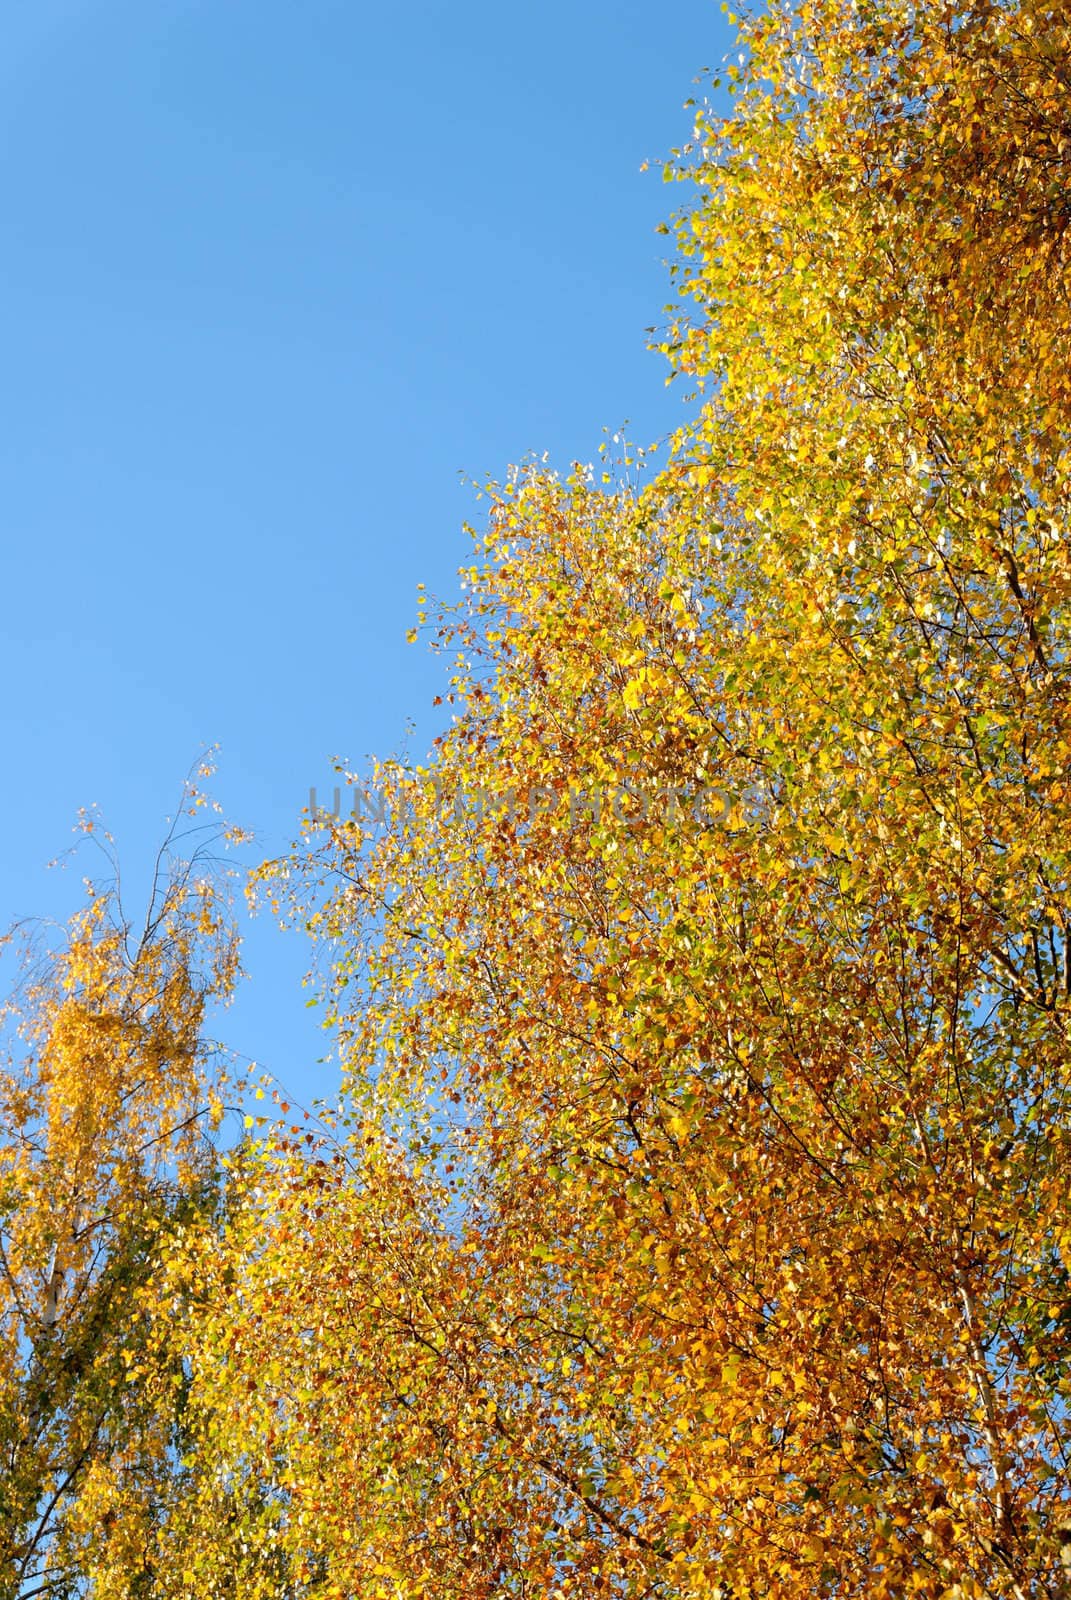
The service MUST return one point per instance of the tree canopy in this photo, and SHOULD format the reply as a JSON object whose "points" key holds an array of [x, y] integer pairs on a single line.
{"points": [[695, 1219], [108, 1099]]}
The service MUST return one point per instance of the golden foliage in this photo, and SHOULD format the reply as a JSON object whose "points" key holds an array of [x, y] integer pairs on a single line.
{"points": [[106, 1103], [696, 1219]]}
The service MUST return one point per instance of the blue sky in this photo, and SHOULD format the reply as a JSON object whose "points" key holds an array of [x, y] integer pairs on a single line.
{"points": [[274, 276]]}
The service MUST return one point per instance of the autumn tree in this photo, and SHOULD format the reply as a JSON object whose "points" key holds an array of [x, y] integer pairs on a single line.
{"points": [[108, 1100], [695, 1222]]}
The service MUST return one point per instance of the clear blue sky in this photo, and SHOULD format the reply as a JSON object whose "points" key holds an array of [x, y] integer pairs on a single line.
{"points": [[273, 275]]}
